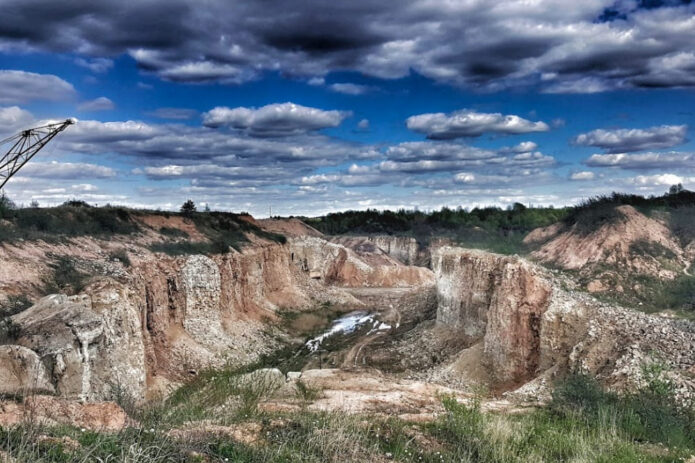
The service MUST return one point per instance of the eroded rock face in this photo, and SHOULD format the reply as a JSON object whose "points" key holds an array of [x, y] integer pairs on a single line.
{"points": [[362, 265], [533, 329], [404, 249], [498, 299], [170, 317], [22, 372], [89, 345]]}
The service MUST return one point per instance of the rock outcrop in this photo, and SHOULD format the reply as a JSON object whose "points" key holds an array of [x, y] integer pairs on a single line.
{"points": [[362, 265], [164, 319], [499, 300], [90, 345], [531, 326], [21, 372]]}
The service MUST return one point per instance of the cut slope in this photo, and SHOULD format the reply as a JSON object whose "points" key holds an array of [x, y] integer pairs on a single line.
{"points": [[632, 242], [288, 227]]}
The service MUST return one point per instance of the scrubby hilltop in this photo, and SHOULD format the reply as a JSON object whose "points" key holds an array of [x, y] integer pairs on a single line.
{"points": [[635, 250]]}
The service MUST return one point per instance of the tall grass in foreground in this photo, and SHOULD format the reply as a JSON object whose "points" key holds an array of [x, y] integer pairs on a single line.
{"points": [[582, 424]]}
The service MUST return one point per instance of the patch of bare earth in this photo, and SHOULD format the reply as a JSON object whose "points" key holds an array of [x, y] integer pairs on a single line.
{"points": [[288, 227], [51, 411]]}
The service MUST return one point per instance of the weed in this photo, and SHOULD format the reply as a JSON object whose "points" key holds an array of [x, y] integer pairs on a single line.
{"points": [[14, 305], [122, 256], [307, 393], [65, 277], [9, 331]]}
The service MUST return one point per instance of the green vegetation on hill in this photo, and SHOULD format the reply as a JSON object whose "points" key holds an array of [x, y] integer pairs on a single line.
{"points": [[594, 212], [502, 230], [223, 230], [73, 218], [497, 229]]}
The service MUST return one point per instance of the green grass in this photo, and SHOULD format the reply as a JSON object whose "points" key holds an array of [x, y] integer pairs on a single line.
{"points": [[70, 220], [223, 230], [583, 423], [649, 415], [654, 294]]}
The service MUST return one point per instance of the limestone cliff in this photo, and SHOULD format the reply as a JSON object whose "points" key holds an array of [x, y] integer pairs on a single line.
{"points": [[137, 330], [361, 264], [530, 326], [499, 300], [404, 249]]}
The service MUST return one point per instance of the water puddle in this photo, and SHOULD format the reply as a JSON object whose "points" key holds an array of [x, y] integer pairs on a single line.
{"points": [[346, 325]]}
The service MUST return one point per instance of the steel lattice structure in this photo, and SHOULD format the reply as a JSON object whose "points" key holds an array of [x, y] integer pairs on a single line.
{"points": [[25, 145]]}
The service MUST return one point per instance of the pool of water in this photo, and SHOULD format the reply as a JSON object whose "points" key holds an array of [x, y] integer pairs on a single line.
{"points": [[345, 325]]}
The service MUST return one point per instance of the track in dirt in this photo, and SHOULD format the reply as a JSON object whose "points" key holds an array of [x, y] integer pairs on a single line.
{"points": [[391, 316]]}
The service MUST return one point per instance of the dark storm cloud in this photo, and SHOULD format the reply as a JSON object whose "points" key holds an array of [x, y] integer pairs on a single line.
{"points": [[628, 140], [561, 46]]}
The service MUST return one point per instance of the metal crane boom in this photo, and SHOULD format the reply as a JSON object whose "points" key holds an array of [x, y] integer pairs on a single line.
{"points": [[25, 145]]}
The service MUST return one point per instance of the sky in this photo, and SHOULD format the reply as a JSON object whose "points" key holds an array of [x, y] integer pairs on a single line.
{"points": [[305, 107]]}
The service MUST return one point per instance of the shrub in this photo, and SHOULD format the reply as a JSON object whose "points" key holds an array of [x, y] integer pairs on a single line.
{"points": [[65, 277], [9, 331], [14, 305], [76, 203], [122, 256], [188, 207], [7, 207], [173, 232]]}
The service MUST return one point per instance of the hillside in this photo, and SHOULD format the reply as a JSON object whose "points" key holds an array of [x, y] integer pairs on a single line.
{"points": [[632, 249], [210, 335]]}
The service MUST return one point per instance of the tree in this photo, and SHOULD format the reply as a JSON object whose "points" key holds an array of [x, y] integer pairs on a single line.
{"points": [[6, 206], [34, 204], [188, 207], [675, 189]]}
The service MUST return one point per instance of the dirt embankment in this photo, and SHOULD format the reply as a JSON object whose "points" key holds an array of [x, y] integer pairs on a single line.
{"points": [[632, 244], [144, 324], [288, 227]]}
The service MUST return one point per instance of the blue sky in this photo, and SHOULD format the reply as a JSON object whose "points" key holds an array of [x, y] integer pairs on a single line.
{"points": [[321, 108]]}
